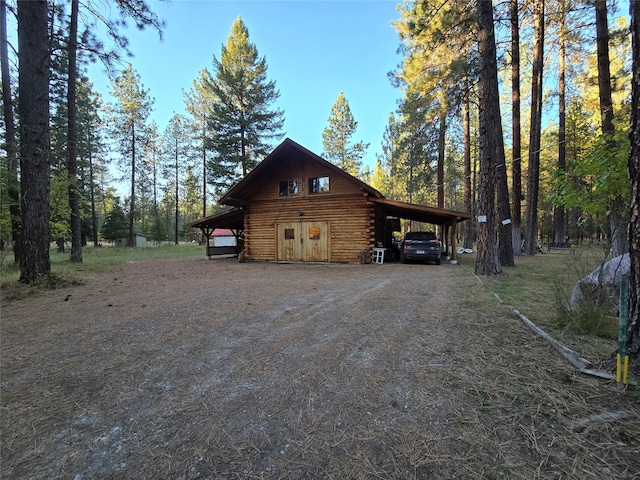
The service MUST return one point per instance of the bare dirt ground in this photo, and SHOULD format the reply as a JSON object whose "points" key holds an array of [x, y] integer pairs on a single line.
{"points": [[188, 369]]}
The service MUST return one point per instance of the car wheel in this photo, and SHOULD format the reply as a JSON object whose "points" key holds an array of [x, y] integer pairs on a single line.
{"points": [[402, 259], [438, 262]]}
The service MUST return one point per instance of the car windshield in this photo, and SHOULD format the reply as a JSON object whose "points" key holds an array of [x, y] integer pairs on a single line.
{"points": [[424, 236]]}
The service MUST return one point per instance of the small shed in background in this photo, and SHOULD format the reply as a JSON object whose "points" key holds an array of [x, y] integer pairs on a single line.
{"points": [[140, 241]]}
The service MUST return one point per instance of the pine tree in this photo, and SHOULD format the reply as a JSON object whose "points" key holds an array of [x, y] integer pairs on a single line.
{"points": [[533, 179], [11, 188], [558, 211], [72, 137], [115, 224], [243, 120], [487, 260], [130, 114], [633, 333], [33, 109], [336, 138], [516, 140], [443, 29], [617, 206], [199, 102], [176, 151]]}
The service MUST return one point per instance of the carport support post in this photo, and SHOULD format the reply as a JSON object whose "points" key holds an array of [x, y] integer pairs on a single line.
{"points": [[206, 234], [452, 232]]}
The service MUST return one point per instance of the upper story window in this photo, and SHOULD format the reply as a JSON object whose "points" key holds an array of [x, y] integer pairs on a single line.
{"points": [[288, 187], [319, 185]]}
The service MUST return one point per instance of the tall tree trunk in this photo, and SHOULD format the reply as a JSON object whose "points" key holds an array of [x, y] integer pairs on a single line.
{"points": [[243, 152], [72, 139], [155, 179], [466, 127], [132, 201], [175, 238], [617, 219], [13, 185], [441, 150], [34, 55], [487, 260], [505, 236], [533, 180], [94, 215], [440, 165], [558, 210], [204, 167], [633, 339], [604, 75], [516, 154], [505, 239]]}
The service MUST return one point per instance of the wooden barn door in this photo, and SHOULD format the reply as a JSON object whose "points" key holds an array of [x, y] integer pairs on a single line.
{"points": [[303, 241], [289, 242], [315, 242]]}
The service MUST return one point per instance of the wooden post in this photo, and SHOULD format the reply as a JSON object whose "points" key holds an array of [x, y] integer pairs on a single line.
{"points": [[453, 240], [622, 357]]}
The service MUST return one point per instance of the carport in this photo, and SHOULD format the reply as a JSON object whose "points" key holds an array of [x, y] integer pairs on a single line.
{"points": [[445, 219], [230, 218]]}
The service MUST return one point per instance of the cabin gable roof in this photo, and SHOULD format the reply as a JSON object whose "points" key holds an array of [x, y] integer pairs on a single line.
{"points": [[287, 155]]}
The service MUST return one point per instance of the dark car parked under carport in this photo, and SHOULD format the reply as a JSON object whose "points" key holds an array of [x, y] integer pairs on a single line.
{"points": [[421, 246]]}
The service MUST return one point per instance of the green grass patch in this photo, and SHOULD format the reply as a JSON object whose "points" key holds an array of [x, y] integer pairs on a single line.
{"points": [[94, 260], [540, 287], [537, 283]]}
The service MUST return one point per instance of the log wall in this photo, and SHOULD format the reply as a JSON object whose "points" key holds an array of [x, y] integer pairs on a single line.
{"points": [[350, 220]]}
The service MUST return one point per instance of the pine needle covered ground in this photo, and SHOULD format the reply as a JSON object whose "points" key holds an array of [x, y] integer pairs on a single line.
{"points": [[187, 368]]}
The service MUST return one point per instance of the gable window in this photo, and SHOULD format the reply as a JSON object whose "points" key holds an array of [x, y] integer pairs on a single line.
{"points": [[319, 185], [288, 187]]}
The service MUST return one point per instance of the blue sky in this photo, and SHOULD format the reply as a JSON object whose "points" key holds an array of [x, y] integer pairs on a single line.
{"points": [[314, 51]]}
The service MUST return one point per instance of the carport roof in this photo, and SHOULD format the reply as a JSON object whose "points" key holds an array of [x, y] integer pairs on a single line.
{"points": [[231, 218], [421, 213]]}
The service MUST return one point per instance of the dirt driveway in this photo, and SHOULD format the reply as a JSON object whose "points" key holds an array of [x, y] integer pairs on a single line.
{"points": [[188, 369]]}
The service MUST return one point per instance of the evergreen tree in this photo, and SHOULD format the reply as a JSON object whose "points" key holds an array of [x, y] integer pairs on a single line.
{"points": [[633, 333], [72, 137], [91, 150], [33, 109], [487, 260], [199, 103], [115, 223], [158, 230], [128, 124], [336, 138], [516, 132], [191, 194], [618, 217], [242, 119], [176, 152], [533, 178], [11, 185], [416, 155]]}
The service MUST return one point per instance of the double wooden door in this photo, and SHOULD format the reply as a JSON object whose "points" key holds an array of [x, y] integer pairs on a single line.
{"points": [[303, 241]]}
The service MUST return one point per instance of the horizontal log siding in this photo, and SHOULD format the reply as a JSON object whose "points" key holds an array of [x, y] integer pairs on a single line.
{"points": [[350, 218]]}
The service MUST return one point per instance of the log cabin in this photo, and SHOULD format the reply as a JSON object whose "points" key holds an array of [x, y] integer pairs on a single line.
{"points": [[294, 206]]}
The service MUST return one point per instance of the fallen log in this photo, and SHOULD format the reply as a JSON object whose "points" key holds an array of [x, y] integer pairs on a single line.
{"points": [[572, 357]]}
